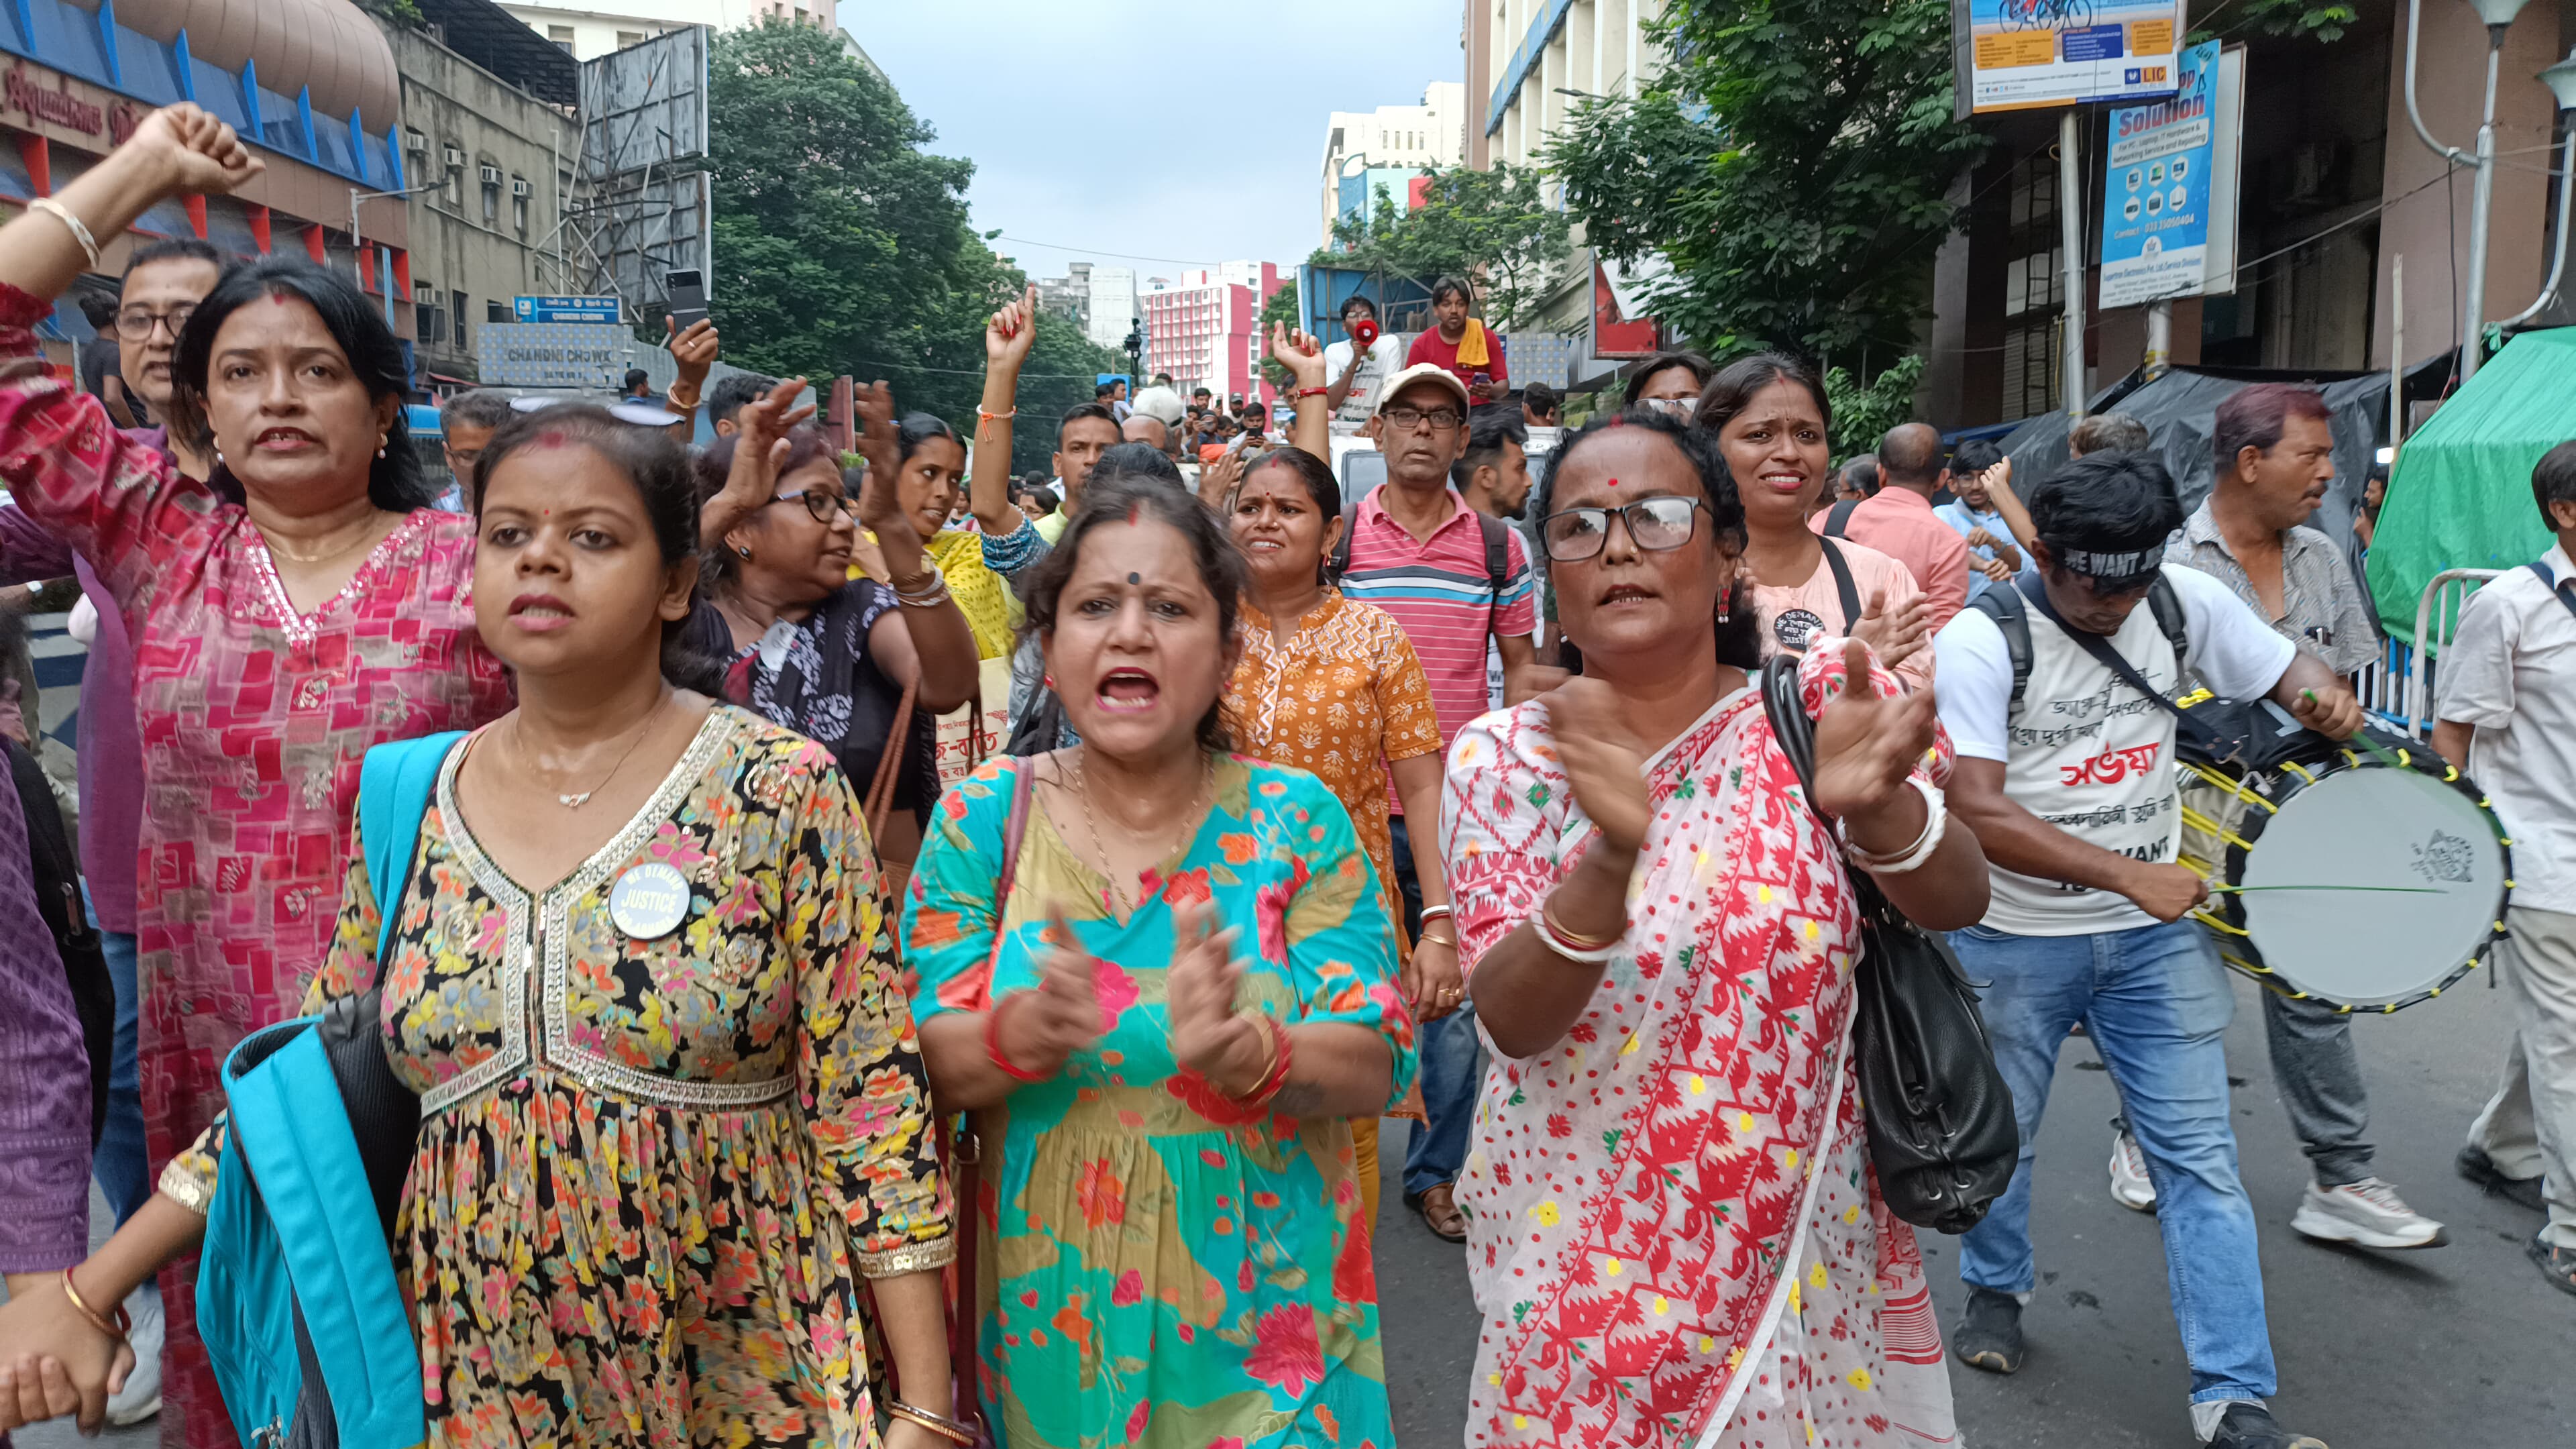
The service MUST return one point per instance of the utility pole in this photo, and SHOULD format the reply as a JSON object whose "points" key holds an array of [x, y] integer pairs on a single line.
{"points": [[2070, 219]]}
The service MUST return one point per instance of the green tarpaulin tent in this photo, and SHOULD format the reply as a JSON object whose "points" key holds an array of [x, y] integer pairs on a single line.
{"points": [[2460, 497]]}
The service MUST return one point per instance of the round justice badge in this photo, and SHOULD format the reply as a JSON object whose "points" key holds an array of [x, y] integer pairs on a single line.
{"points": [[650, 901]]}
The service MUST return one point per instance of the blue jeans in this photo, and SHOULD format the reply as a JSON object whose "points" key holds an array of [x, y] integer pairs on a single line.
{"points": [[1453, 1062], [2156, 1004], [118, 1163]]}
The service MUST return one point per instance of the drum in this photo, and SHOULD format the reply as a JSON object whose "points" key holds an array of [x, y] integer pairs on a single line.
{"points": [[2369, 877]]}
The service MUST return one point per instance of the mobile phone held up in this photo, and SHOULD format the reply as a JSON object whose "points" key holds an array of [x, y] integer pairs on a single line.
{"points": [[688, 292]]}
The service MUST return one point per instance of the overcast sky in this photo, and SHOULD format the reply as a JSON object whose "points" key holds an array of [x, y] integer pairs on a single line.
{"points": [[1188, 133]]}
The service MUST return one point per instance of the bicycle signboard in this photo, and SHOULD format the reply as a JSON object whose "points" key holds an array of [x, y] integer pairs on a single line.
{"points": [[2155, 198], [2022, 54]]}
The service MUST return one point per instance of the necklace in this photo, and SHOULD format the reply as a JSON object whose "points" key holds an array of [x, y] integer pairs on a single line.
{"points": [[365, 532], [576, 801], [1100, 848]]}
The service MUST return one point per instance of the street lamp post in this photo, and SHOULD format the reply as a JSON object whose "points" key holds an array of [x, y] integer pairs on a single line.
{"points": [[2561, 80], [357, 244], [2497, 15]]}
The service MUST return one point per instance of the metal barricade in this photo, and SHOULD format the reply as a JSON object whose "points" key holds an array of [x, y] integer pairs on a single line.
{"points": [[2437, 614]]}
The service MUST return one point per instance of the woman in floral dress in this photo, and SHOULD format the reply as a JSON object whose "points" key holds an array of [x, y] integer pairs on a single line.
{"points": [[1675, 1237], [1333, 686], [1168, 1209], [659, 1154]]}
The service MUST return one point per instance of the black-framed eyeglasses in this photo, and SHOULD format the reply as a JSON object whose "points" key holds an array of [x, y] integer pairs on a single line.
{"points": [[135, 324], [1653, 523], [820, 505], [1442, 420]]}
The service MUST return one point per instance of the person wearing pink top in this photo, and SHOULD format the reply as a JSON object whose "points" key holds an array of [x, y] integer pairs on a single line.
{"points": [[1770, 416], [1898, 520]]}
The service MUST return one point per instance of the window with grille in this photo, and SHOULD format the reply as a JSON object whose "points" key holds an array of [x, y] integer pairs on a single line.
{"points": [[2034, 289]]}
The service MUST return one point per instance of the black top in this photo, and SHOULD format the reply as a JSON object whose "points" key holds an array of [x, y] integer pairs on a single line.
{"points": [[815, 677]]}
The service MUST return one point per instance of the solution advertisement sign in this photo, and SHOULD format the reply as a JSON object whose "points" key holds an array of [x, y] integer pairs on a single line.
{"points": [[2022, 54], [2155, 195]]}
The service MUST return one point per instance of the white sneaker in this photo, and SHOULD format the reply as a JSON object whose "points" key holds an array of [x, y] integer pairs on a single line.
{"points": [[2368, 1214], [2130, 1186], [140, 1399]]}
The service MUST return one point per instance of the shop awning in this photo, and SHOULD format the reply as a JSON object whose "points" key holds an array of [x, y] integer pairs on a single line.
{"points": [[2460, 495]]}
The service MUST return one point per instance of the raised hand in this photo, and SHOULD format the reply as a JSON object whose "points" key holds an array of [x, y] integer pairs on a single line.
{"points": [[1895, 635], [192, 151], [759, 450], [1298, 353], [881, 510], [1866, 744], [1601, 759], [1208, 1035], [1012, 332], [1043, 1028], [1217, 479], [694, 350]]}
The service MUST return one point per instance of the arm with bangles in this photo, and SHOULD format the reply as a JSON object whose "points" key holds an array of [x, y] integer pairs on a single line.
{"points": [[1435, 986], [931, 646], [694, 354], [1297, 352], [1008, 336]]}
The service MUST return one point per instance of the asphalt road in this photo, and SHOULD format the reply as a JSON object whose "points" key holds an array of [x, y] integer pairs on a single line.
{"points": [[2460, 1345]]}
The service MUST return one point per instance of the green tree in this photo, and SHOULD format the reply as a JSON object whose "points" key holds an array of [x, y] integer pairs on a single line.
{"points": [[842, 246], [1863, 414], [1281, 306], [1493, 226], [1792, 163]]}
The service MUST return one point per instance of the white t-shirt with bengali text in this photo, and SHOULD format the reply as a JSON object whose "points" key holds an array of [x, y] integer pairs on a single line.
{"points": [[1385, 359], [2084, 751]]}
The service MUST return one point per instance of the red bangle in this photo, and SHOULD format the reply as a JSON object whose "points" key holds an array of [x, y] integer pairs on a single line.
{"points": [[993, 1042], [1281, 1053], [1305, 392]]}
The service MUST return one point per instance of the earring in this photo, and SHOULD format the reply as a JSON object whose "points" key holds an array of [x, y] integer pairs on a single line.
{"points": [[381, 440], [746, 553]]}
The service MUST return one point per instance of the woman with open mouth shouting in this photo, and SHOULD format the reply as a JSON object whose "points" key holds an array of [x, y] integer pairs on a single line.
{"points": [[1769, 416], [1674, 1235], [1163, 977]]}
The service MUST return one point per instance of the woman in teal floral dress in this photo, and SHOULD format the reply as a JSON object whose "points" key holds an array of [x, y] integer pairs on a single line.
{"points": [[1173, 1250]]}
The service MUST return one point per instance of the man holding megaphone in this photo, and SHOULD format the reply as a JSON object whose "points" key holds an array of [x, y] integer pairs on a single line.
{"points": [[1358, 367]]}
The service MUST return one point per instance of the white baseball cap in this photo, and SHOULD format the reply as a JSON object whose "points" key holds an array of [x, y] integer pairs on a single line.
{"points": [[1423, 372]]}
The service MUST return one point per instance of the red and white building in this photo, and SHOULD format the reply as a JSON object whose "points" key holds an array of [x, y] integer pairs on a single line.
{"points": [[1204, 327]]}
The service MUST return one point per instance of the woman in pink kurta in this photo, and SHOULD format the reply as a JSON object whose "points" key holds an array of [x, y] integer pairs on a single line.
{"points": [[254, 713]]}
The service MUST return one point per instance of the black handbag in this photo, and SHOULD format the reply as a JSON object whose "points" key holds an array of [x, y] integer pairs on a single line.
{"points": [[1941, 1130]]}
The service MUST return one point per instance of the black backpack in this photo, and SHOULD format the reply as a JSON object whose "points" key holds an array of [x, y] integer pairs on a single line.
{"points": [[1498, 557], [2011, 613]]}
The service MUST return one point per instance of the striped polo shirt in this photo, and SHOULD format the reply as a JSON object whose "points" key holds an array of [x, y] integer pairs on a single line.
{"points": [[1440, 593]]}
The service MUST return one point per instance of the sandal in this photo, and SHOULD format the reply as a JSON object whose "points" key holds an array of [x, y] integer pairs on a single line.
{"points": [[1439, 1209], [2558, 1265]]}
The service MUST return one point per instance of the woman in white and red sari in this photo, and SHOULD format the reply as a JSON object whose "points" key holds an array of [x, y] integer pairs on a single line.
{"points": [[1676, 1240]]}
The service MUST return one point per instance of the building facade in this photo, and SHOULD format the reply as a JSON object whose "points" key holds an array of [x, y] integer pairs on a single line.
{"points": [[315, 95], [1366, 152], [1068, 296], [592, 28], [1523, 56], [499, 163], [1113, 307], [1204, 328], [2334, 187]]}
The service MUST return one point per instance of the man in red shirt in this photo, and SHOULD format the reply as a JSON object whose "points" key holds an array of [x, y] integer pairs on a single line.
{"points": [[1467, 348], [1898, 519]]}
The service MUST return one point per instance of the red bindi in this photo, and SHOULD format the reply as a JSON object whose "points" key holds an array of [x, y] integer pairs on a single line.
{"points": [[1614, 482], [552, 438]]}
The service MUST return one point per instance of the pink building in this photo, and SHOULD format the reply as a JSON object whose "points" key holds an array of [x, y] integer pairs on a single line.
{"points": [[1205, 329]]}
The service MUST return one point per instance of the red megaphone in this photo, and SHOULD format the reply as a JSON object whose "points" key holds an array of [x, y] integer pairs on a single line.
{"points": [[1364, 332]]}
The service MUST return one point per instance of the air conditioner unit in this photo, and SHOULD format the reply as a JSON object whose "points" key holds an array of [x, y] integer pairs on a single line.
{"points": [[454, 158], [414, 142], [491, 175], [425, 293], [518, 186]]}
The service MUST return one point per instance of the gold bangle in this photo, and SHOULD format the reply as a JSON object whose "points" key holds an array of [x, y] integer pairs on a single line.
{"points": [[116, 1330], [948, 1429], [1548, 917]]}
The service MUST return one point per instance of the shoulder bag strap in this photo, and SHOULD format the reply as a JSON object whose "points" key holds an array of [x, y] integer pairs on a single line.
{"points": [[966, 1156], [1838, 521], [395, 783], [1843, 585], [2097, 646], [2556, 590], [1498, 559], [880, 801]]}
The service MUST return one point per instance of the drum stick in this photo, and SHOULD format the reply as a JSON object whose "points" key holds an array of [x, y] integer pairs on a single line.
{"points": [[2391, 890], [2358, 738]]}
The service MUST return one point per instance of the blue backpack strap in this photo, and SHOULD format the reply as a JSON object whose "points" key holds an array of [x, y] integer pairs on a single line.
{"points": [[304, 1225], [394, 788]]}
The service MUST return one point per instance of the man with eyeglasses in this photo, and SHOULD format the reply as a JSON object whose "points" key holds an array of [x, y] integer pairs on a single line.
{"points": [[1454, 579], [466, 422], [2057, 696]]}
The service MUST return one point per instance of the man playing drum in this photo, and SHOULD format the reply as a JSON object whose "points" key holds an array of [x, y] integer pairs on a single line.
{"points": [[2065, 771], [2507, 715], [2275, 458]]}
